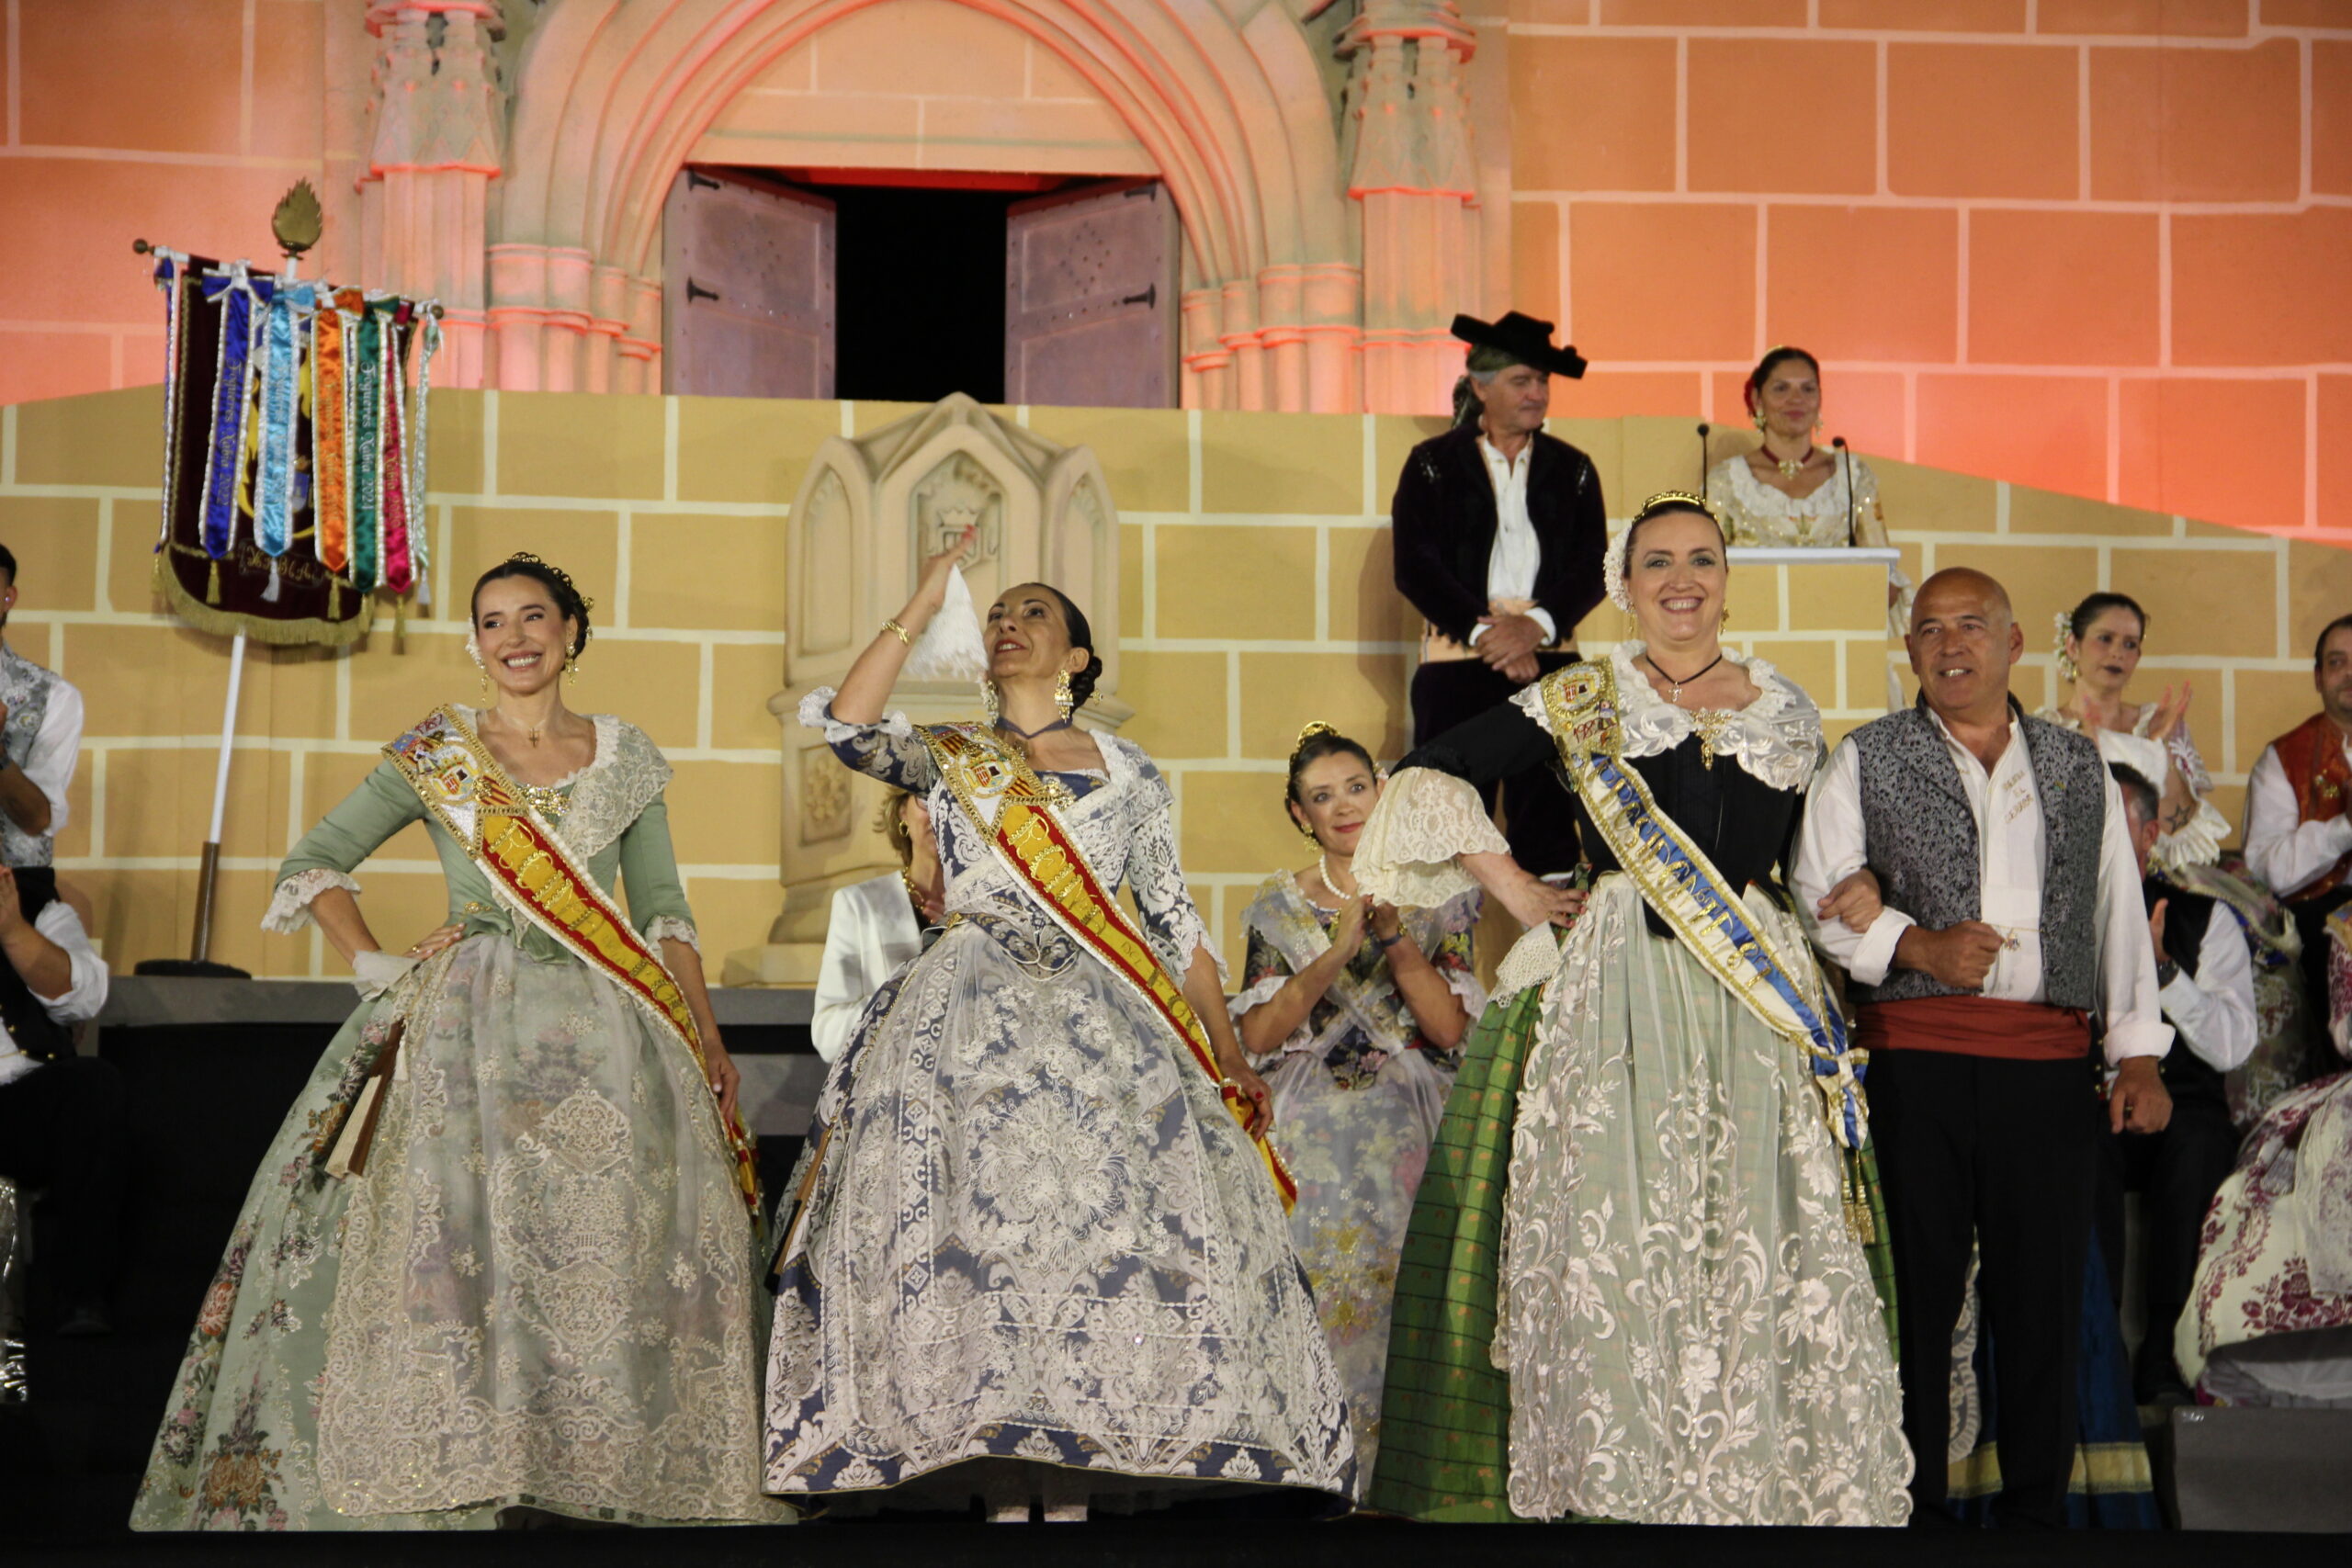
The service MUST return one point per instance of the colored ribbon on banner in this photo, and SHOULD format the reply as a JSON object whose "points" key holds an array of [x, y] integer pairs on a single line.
{"points": [[224, 464], [330, 423], [365, 440], [428, 336], [280, 402], [399, 569]]}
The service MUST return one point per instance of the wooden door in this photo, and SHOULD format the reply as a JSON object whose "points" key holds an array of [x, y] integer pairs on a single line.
{"points": [[747, 293], [1089, 298]]}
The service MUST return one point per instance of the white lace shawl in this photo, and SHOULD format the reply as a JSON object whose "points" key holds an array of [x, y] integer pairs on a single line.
{"points": [[1407, 852], [607, 794]]}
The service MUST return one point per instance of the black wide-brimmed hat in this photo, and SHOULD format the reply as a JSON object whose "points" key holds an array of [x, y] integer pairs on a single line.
{"points": [[1525, 339]]}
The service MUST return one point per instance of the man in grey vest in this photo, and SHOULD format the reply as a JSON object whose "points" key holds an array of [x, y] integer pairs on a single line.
{"points": [[2012, 915]]}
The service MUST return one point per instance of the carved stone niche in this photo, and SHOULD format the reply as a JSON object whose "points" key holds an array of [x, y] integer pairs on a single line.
{"points": [[870, 511]]}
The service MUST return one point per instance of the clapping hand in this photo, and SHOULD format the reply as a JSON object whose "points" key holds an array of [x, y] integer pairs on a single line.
{"points": [[2171, 709], [12, 906]]}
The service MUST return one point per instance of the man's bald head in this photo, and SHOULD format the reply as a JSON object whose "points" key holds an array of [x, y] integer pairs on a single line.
{"points": [[1967, 583], [1964, 639]]}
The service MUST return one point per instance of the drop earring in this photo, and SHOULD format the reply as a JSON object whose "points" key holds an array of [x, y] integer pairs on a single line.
{"points": [[1063, 698], [989, 700], [571, 665], [1725, 622], [480, 668]]}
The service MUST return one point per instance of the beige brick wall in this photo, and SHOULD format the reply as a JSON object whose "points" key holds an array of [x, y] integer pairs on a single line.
{"points": [[1254, 597]]}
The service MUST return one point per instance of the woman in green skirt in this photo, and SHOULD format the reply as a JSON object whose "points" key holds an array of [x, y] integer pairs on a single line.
{"points": [[1638, 1282]]}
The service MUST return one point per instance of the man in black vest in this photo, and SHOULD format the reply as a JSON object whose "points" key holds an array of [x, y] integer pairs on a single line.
{"points": [[2012, 914], [2206, 975], [1499, 534]]}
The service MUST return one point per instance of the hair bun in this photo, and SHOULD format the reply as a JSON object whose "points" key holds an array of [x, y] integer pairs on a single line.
{"points": [[1310, 732]]}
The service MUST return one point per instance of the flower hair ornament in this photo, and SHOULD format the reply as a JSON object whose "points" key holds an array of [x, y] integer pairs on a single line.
{"points": [[1612, 562], [2068, 668]]}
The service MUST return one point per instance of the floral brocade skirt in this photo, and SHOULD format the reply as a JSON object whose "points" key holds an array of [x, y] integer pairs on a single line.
{"points": [[1033, 1231], [539, 1295], [1357, 1150], [1635, 1215]]}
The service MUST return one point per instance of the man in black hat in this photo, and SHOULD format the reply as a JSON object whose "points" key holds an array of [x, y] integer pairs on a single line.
{"points": [[1499, 533]]}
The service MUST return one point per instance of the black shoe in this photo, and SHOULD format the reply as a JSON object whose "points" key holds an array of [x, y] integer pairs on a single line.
{"points": [[86, 1323]]}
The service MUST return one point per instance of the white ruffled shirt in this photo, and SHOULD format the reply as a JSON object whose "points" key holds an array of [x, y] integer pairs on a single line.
{"points": [[82, 1000], [1518, 554]]}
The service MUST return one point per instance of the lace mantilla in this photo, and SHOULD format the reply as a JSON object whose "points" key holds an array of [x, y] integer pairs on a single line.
{"points": [[1424, 819], [289, 909], [618, 782], [1777, 738]]}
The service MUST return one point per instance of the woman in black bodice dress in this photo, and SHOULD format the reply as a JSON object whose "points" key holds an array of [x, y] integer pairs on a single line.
{"points": [[1649, 1186]]}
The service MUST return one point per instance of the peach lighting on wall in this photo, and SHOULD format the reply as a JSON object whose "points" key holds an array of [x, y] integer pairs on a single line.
{"points": [[2095, 245]]}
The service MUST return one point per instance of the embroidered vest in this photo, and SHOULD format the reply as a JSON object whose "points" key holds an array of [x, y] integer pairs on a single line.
{"points": [[2313, 755], [25, 687], [1924, 850], [36, 1034]]}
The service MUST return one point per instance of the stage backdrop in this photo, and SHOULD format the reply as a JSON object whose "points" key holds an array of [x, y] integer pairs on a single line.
{"points": [[1256, 595], [2094, 245]]}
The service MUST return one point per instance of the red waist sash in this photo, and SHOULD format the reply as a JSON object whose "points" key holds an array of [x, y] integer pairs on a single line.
{"points": [[1976, 1026]]}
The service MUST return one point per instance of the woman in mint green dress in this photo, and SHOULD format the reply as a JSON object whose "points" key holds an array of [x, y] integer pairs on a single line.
{"points": [[500, 1257]]}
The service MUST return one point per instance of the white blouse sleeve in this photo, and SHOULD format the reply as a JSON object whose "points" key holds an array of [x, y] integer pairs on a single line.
{"points": [[1406, 855]]}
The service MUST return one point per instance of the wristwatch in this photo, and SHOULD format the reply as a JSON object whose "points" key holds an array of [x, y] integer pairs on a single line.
{"points": [[2167, 972]]}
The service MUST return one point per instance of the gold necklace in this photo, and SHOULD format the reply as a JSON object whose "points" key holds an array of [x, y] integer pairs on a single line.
{"points": [[1790, 466]]}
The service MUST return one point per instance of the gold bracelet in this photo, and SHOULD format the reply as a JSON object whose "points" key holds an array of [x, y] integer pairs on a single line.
{"points": [[900, 631]]}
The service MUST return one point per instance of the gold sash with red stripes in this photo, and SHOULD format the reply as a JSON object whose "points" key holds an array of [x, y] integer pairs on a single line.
{"points": [[1047, 861], [470, 795]]}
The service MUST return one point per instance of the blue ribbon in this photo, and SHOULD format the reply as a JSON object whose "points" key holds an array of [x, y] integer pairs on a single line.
{"points": [[274, 485], [226, 455], [1727, 914]]}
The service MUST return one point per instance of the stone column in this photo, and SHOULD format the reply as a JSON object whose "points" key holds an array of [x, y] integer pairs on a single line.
{"points": [[1412, 176], [438, 140]]}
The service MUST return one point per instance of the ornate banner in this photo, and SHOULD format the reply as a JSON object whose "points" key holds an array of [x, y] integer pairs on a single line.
{"points": [[470, 796], [1047, 862], [294, 452]]}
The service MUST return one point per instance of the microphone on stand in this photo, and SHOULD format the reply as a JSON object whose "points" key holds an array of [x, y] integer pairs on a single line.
{"points": [[1846, 457], [1703, 428]]}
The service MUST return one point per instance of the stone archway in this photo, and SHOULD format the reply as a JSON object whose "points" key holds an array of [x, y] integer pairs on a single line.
{"points": [[612, 95]]}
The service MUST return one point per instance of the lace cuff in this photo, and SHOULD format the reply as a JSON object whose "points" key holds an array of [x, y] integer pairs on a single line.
{"points": [[290, 910], [2197, 841], [1465, 984], [1257, 996], [817, 713], [1424, 819], [669, 928], [1531, 962]]}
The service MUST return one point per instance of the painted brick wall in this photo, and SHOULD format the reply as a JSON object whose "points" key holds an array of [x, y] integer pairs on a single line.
{"points": [[2093, 246], [1255, 595], [2099, 246]]}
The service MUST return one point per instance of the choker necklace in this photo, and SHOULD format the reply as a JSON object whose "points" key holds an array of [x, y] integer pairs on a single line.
{"points": [[1005, 724], [1676, 695], [1790, 468]]}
